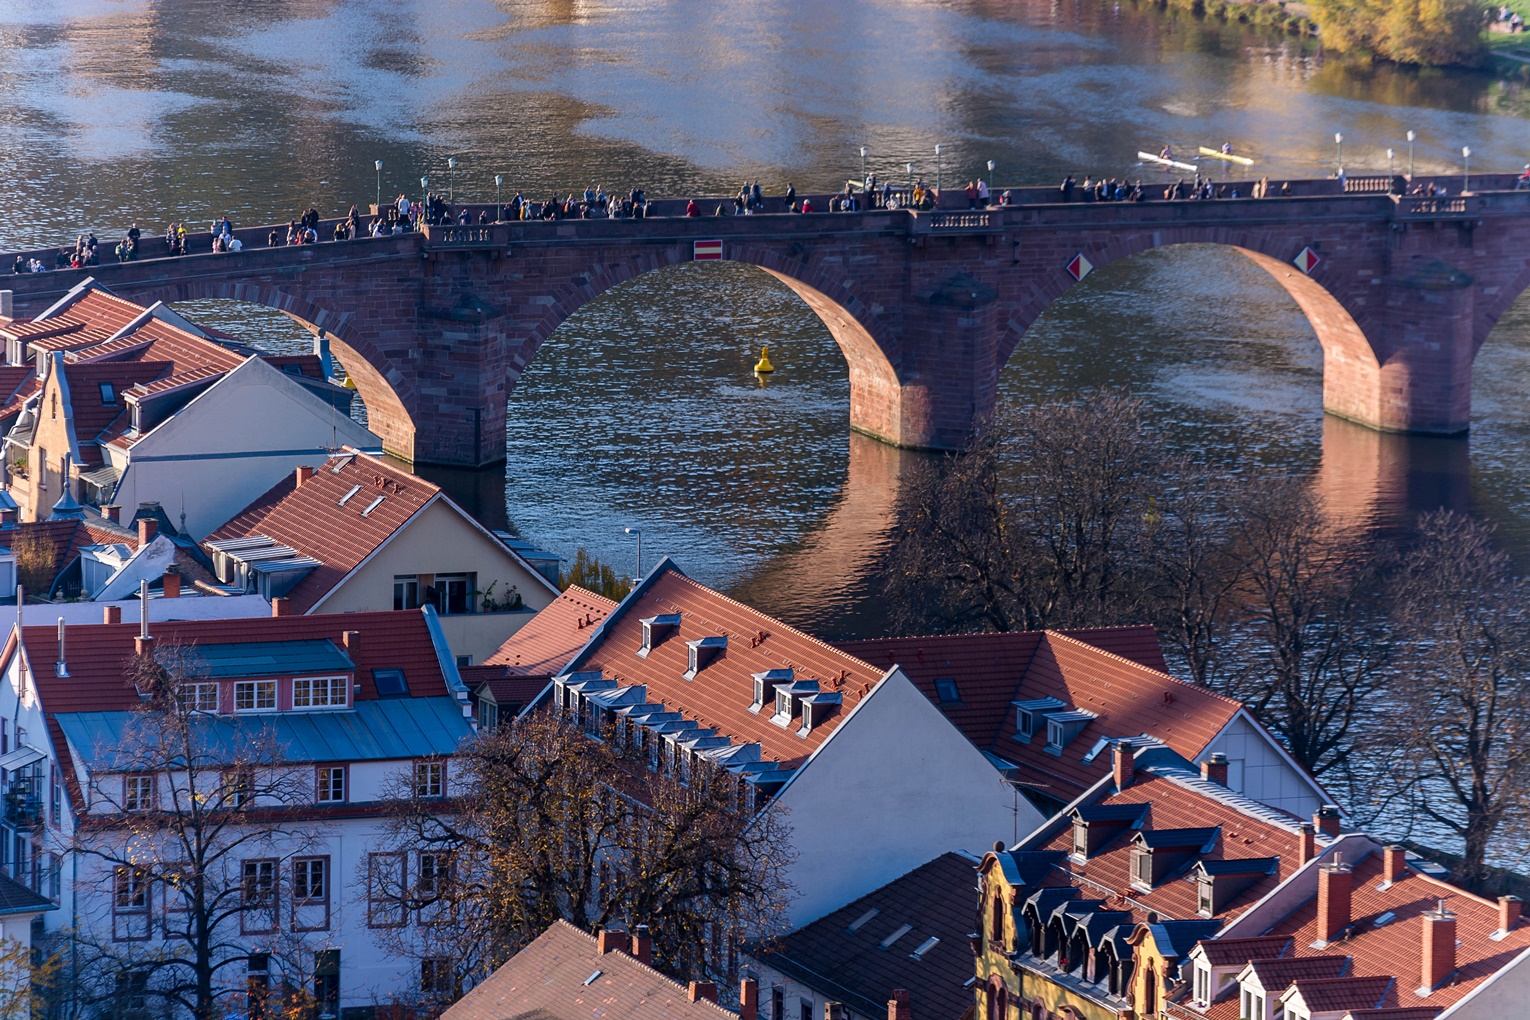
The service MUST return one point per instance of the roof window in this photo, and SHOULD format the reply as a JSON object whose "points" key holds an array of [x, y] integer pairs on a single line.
{"points": [[816, 708], [1062, 727], [390, 683], [373, 506], [703, 652], [789, 699], [108, 394], [898, 933], [593, 978], [945, 690], [860, 922], [924, 947], [1029, 716], [347, 497], [655, 630], [765, 685]]}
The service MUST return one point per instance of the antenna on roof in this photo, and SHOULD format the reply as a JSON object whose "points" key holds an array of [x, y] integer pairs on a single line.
{"points": [[143, 609], [183, 511]]}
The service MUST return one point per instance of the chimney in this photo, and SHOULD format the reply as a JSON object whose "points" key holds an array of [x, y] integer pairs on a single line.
{"points": [[112, 512], [304, 472], [1214, 769], [1508, 912], [1394, 863], [172, 584], [642, 945], [281, 606], [61, 668], [898, 1007], [699, 990], [352, 641], [1336, 882], [1327, 821], [1308, 844], [748, 999], [1121, 756], [147, 528], [111, 614], [609, 939], [1438, 956], [143, 645]]}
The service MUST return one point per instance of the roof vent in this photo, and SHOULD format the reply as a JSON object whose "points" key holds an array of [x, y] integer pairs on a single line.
{"points": [[703, 652], [860, 922], [765, 685], [897, 934], [347, 497], [593, 978], [373, 506], [924, 947], [655, 630]]}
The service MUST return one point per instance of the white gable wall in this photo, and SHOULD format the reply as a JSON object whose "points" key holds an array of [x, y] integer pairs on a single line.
{"points": [[894, 786], [1258, 769], [231, 444]]}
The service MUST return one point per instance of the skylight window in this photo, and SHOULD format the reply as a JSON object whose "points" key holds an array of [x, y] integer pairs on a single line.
{"points": [[373, 506], [390, 683], [924, 947], [945, 690], [593, 978], [860, 922], [347, 497], [1385, 919], [108, 393], [901, 931]]}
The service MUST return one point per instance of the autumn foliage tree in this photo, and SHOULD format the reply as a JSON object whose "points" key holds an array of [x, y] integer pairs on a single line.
{"points": [[1427, 32]]}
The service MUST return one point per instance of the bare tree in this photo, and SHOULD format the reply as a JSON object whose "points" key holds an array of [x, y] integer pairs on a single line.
{"points": [[1464, 691], [190, 841], [548, 823]]}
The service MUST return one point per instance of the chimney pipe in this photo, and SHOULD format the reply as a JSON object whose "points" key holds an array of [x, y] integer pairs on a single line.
{"points": [[1123, 762], [1438, 952], [147, 528], [352, 641], [1394, 863], [898, 1007], [304, 472], [642, 945], [1307, 848], [1508, 912], [111, 614], [112, 512], [1214, 769], [172, 584], [609, 939], [699, 990], [1327, 821], [748, 999], [61, 668], [1336, 882], [281, 606]]}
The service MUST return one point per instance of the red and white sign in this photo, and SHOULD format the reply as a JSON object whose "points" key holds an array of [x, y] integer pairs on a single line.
{"points": [[707, 251], [1307, 261], [1080, 267]]}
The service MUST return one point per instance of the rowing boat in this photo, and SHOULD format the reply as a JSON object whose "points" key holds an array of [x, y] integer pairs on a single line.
{"points": [[1148, 157], [1219, 154]]}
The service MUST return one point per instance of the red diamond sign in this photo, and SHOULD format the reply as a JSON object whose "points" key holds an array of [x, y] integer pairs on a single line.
{"points": [[1080, 267], [1307, 261]]}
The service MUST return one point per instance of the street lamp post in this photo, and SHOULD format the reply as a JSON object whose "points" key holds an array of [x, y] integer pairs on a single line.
{"points": [[1411, 135], [1391, 168], [451, 165], [864, 150], [910, 168], [992, 184], [1338, 141], [378, 165], [1466, 169], [937, 169], [499, 207], [424, 200], [639, 535]]}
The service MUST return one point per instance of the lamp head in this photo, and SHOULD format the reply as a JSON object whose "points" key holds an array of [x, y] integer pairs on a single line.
{"points": [[1338, 138], [424, 182], [990, 166], [632, 531], [1412, 135], [909, 167], [378, 164], [498, 180], [1466, 152], [452, 163], [937, 150], [864, 150], [1390, 154]]}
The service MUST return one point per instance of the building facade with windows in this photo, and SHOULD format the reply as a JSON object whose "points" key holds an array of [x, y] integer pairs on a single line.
{"points": [[260, 754], [359, 534]]}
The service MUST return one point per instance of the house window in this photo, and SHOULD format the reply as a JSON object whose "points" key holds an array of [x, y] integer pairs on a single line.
{"points": [[777, 1003], [454, 594], [406, 592], [805, 1009], [326, 982], [138, 793], [429, 778], [131, 890], [1056, 737], [390, 683], [386, 903], [320, 692], [131, 995], [331, 784], [198, 697], [1025, 725], [255, 696], [238, 787], [1202, 985], [437, 976], [310, 880], [1142, 868], [1081, 841], [108, 394], [488, 715], [1205, 903], [434, 874], [945, 690], [257, 896]]}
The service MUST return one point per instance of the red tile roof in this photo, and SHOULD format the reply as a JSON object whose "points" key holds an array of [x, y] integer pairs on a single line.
{"points": [[1100, 670], [549, 640], [720, 696], [1327, 994], [562, 975], [93, 418], [310, 518], [1230, 952], [511, 693]]}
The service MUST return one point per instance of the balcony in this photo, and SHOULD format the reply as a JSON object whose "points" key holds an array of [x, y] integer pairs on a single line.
{"points": [[22, 809]]}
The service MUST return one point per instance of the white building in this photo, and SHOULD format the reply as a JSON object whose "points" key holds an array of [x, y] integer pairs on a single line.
{"points": [[354, 710]]}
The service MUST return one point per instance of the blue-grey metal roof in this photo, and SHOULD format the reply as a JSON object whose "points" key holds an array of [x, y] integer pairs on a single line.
{"points": [[387, 729], [259, 658]]}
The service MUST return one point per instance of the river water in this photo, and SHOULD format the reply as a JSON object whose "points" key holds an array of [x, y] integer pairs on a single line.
{"points": [[642, 410]]}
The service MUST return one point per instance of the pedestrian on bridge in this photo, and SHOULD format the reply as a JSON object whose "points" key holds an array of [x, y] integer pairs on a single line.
{"points": [[692, 209]]}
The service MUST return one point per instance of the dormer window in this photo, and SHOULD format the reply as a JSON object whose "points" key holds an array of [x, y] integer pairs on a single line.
{"points": [[655, 630], [320, 692], [1080, 840], [1205, 901], [1142, 868], [766, 683], [783, 704], [1202, 984], [1062, 727], [1030, 716], [703, 652]]}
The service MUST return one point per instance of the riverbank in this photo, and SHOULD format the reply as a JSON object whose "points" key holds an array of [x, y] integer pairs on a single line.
{"points": [[1289, 18]]}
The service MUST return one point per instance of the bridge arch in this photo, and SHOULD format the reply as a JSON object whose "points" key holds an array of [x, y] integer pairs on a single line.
{"points": [[387, 393], [1351, 367], [877, 397]]}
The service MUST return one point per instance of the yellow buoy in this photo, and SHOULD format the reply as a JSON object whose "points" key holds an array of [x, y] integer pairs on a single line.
{"points": [[763, 365], [349, 383]]}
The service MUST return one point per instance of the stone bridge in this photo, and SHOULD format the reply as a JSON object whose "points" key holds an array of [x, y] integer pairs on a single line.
{"points": [[436, 326]]}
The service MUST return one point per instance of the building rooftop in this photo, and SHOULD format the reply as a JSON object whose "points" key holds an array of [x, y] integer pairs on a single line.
{"points": [[562, 975], [550, 639], [911, 934]]}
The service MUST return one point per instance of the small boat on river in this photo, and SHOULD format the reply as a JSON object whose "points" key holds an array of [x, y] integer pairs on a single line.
{"points": [[1148, 157]]}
